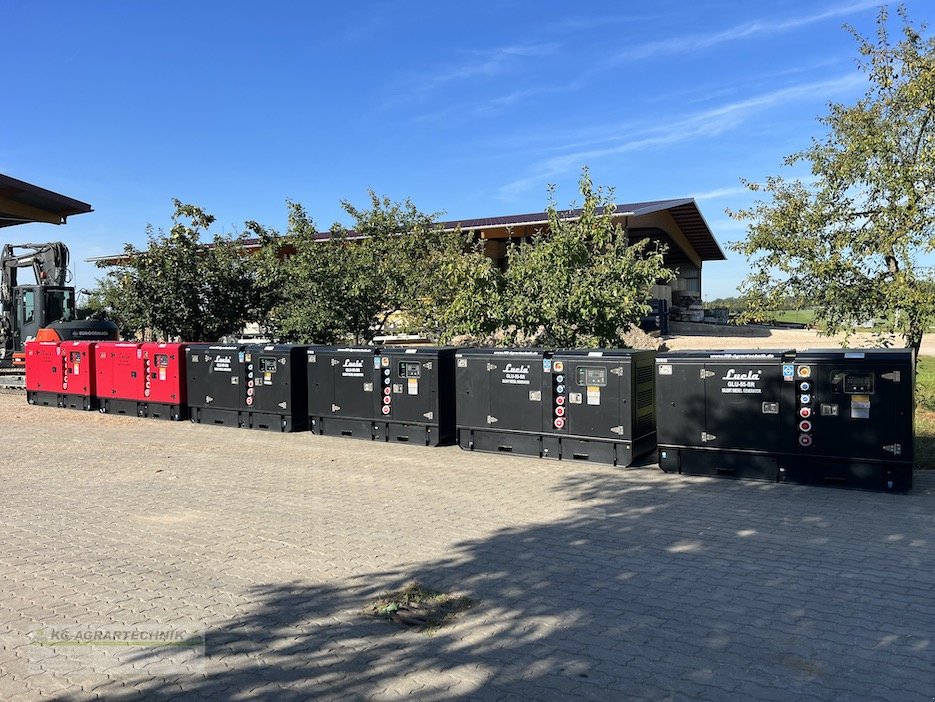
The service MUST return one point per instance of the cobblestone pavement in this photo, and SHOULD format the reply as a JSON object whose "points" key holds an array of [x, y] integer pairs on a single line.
{"points": [[591, 582]]}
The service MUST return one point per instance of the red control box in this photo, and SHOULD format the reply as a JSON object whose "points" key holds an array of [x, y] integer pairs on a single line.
{"points": [[80, 380], [164, 380], [61, 374], [45, 369], [119, 376]]}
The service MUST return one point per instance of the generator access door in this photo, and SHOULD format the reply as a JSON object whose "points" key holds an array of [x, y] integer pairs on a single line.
{"points": [[594, 400], [472, 386], [354, 383], [862, 410], [516, 397], [742, 400], [680, 398], [412, 392]]}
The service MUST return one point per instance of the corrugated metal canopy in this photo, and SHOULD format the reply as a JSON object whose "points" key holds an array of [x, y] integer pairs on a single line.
{"points": [[22, 203], [684, 211]]}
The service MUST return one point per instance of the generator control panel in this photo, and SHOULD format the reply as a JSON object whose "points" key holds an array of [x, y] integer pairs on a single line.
{"points": [[267, 364], [595, 376], [852, 383], [410, 369]]}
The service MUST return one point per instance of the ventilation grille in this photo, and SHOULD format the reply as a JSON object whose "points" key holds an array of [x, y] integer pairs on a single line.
{"points": [[644, 374], [644, 398], [645, 424]]}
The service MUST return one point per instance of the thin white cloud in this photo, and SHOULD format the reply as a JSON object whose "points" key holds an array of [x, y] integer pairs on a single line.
{"points": [[719, 193], [496, 61], [707, 123], [480, 65], [695, 42]]}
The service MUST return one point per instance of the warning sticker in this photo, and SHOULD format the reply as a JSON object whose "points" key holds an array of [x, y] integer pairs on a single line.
{"points": [[575, 398], [594, 395], [860, 406], [162, 374], [413, 386]]}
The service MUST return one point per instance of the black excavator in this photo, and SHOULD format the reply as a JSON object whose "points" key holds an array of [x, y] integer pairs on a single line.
{"points": [[44, 310]]}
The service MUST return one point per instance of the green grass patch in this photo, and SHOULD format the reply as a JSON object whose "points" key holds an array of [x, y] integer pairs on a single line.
{"points": [[418, 607], [804, 316], [925, 413]]}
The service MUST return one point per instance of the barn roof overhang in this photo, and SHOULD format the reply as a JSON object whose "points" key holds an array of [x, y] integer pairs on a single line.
{"points": [[23, 203]]}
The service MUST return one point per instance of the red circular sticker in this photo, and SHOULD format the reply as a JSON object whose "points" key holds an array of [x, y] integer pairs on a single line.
{"points": [[560, 400], [559, 423], [386, 409], [559, 411], [387, 400]]}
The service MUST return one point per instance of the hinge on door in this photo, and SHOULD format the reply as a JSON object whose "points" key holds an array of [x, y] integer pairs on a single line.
{"points": [[707, 437], [705, 373], [617, 371], [895, 449], [491, 420], [617, 430], [491, 366], [427, 366], [893, 375], [335, 362], [335, 408], [428, 415], [282, 405]]}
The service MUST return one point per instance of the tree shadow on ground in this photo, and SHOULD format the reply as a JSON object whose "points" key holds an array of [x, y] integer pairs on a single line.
{"points": [[652, 588]]}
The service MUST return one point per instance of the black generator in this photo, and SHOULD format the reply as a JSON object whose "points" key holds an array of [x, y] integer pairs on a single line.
{"points": [[855, 416], [276, 395], [216, 383], [840, 417], [500, 403], [575, 405], [602, 406], [416, 398], [343, 384]]}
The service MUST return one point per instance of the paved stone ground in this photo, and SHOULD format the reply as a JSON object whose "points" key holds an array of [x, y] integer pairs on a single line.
{"points": [[592, 582]]}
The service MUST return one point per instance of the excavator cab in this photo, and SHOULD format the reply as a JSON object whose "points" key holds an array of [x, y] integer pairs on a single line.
{"points": [[37, 306]]}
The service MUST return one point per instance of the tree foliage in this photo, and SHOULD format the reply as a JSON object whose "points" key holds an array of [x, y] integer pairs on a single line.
{"points": [[461, 289], [350, 284], [850, 241], [178, 288], [581, 280]]}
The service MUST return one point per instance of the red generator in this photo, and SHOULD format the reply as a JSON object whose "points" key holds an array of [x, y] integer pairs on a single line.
{"points": [[164, 394], [119, 377], [44, 372], [61, 374]]}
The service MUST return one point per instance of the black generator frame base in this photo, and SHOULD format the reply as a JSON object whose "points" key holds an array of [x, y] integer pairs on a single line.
{"points": [[787, 468], [162, 410], [419, 433], [340, 426], [219, 417], [556, 446], [84, 403], [281, 423], [115, 405]]}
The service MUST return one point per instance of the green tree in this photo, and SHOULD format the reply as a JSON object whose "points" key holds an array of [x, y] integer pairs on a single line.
{"points": [[850, 241], [178, 288], [460, 288], [352, 283], [581, 279]]}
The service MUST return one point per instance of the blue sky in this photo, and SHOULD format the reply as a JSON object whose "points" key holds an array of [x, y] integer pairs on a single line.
{"points": [[468, 109]]}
